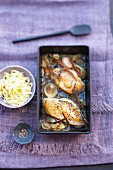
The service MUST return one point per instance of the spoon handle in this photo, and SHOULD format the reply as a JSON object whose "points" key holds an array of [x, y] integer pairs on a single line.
{"points": [[38, 37]]}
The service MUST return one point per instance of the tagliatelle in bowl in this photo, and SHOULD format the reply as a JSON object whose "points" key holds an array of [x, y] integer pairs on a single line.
{"points": [[15, 88]]}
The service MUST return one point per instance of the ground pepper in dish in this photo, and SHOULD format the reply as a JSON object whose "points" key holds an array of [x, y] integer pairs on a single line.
{"points": [[23, 133]]}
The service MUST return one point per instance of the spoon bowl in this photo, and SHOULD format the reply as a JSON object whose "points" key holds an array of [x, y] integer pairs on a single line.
{"points": [[80, 30]]}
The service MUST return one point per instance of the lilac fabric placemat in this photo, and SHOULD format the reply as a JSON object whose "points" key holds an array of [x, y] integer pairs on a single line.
{"points": [[35, 17]]}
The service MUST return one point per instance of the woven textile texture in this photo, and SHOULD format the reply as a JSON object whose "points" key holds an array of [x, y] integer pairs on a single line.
{"points": [[35, 17]]}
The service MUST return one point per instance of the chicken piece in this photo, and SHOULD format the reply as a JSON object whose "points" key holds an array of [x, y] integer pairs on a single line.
{"points": [[64, 108], [53, 107], [66, 81], [71, 112]]}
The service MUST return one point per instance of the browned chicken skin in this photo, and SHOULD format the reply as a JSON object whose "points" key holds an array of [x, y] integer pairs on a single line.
{"points": [[63, 109], [64, 80]]}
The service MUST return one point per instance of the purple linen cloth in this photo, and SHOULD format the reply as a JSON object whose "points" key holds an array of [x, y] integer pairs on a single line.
{"points": [[35, 17]]}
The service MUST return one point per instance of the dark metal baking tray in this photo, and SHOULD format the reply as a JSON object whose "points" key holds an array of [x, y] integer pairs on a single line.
{"points": [[70, 50]]}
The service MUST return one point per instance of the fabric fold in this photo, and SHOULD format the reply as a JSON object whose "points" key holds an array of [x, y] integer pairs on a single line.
{"points": [[33, 17]]}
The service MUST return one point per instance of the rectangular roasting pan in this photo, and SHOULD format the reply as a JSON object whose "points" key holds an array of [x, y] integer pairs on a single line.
{"points": [[85, 51]]}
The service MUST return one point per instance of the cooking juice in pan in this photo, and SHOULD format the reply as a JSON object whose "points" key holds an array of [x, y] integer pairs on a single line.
{"points": [[63, 93]]}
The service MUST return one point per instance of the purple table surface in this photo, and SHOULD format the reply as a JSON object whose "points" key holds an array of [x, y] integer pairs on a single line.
{"points": [[35, 17]]}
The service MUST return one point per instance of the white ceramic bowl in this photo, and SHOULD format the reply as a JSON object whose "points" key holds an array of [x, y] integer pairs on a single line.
{"points": [[26, 74]]}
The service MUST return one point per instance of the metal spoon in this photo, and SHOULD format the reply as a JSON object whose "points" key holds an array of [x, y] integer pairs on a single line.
{"points": [[77, 30]]}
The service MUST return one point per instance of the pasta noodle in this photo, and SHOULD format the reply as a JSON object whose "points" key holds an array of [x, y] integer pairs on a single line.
{"points": [[15, 88]]}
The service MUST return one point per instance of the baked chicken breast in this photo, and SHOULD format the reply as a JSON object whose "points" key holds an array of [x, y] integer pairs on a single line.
{"points": [[64, 109], [66, 81]]}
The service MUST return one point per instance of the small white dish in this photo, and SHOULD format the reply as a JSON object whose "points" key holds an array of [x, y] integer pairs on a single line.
{"points": [[28, 74]]}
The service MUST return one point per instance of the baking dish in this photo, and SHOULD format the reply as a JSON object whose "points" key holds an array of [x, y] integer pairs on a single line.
{"points": [[84, 51]]}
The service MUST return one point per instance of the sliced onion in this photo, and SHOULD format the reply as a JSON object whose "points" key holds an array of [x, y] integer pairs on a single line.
{"points": [[61, 126], [79, 62], [46, 126], [68, 84], [83, 71], [56, 56], [66, 62], [50, 90], [76, 57]]}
